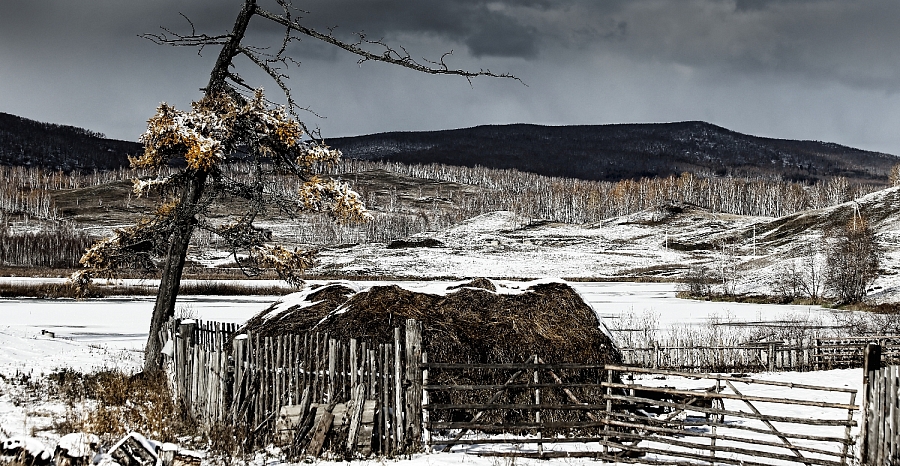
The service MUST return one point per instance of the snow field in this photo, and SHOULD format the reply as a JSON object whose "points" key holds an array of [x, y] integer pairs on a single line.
{"points": [[109, 333]]}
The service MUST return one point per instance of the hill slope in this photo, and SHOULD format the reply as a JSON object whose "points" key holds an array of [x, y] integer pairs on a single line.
{"points": [[614, 152], [32, 143], [600, 152]]}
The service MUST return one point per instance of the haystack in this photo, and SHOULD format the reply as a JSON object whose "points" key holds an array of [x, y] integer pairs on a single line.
{"points": [[470, 323], [475, 322]]}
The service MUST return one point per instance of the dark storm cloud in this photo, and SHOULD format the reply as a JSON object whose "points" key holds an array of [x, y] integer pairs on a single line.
{"points": [[784, 68], [823, 40]]}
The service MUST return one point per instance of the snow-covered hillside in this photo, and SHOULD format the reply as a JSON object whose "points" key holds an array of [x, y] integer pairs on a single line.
{"points": [[661, 243]]}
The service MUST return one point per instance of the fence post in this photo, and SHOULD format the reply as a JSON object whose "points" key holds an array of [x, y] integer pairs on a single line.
{"points": [[414, 385], [871, 365], [656, 359], [771, 357], [397, 361], [537, 412], [184, 364], [609, 380]]}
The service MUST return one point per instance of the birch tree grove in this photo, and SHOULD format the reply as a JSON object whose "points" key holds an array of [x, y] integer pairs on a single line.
{"points": [[234, 122]]}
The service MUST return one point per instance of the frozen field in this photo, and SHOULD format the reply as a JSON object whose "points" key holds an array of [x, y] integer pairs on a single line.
{"points": [[109, 333], [122, 322]]}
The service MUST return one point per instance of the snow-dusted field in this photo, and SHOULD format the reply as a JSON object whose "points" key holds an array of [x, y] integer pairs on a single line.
{"points": [[108, 333], [121, 323]]}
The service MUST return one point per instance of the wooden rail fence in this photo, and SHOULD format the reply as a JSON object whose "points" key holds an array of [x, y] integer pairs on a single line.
{"points": [[808, 355], [711, 418]]}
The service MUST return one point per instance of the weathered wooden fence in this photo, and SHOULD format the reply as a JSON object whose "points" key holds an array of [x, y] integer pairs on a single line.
{"points": [[200, 362], [609, 412], [711, 418], [806, 355], [246, 379], [880, 433]]}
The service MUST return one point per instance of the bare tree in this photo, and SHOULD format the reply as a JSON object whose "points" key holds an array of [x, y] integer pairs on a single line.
{"points": [[853, 260], [894, 175], [802, 275], [234, 121]]}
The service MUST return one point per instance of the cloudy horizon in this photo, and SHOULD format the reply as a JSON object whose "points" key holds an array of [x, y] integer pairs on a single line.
{"points": [[824, 70]]}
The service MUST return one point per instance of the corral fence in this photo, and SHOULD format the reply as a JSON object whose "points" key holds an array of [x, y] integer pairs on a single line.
{"points": [[631, 414], [797, 355], [880, 433], [308, 391], [312, 392]]}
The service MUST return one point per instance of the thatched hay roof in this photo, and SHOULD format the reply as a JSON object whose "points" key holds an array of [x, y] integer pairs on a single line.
{"points": [[472, 322]]}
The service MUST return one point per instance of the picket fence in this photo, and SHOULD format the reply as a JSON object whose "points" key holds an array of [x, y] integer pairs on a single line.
{"points": [[223, 378], [798, 355]]}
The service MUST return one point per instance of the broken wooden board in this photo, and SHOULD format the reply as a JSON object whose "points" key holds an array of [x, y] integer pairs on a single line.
{"points": [[322, 426], [367, 426], [289, 418], [356, 410], [134, 450]]}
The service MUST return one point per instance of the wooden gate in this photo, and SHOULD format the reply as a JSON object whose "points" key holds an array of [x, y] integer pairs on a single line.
{"points": [[629, 414]]}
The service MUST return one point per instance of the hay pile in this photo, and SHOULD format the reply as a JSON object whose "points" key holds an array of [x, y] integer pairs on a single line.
{"points": [[471, 323]]}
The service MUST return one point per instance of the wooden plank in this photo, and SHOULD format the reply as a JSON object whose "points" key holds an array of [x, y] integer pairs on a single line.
{"points": [[340, 416], [413, 395], [332, 370], [679, 433], [354, 364], [737, 414], [484, 407], [847, 434], [367, 425], [356, 413], [322, 426], [398, 405], [725, 377], [537, 401], [426, 432], [713, 395]]}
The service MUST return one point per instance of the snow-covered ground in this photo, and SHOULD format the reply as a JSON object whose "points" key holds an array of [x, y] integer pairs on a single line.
{"points": [[121, 323], [665, 242], [108, 333]]}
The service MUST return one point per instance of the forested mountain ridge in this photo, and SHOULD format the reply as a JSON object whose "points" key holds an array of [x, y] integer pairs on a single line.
{"points": [[589, 152], [623, 151], [32, 143]]}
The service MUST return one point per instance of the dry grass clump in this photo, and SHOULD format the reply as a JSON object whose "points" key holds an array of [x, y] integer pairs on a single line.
{"points": [[122, 403]]}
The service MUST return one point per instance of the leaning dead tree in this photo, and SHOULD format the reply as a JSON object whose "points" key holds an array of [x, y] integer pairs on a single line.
{"points": [[234, 122]]}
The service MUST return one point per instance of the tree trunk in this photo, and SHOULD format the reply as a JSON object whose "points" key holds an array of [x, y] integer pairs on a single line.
{"points": [[170, 282]]}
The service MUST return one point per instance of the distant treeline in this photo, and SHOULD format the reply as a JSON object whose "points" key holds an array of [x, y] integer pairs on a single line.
{"points": [[60, 247], [572, 200], [623, 151]]}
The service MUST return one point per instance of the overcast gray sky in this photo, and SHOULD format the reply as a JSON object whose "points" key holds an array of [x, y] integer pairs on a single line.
{"points": [[801, 69]]}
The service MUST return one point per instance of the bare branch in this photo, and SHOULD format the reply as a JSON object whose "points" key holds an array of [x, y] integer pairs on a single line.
{"points": [[169, 37], [388, 55]]}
